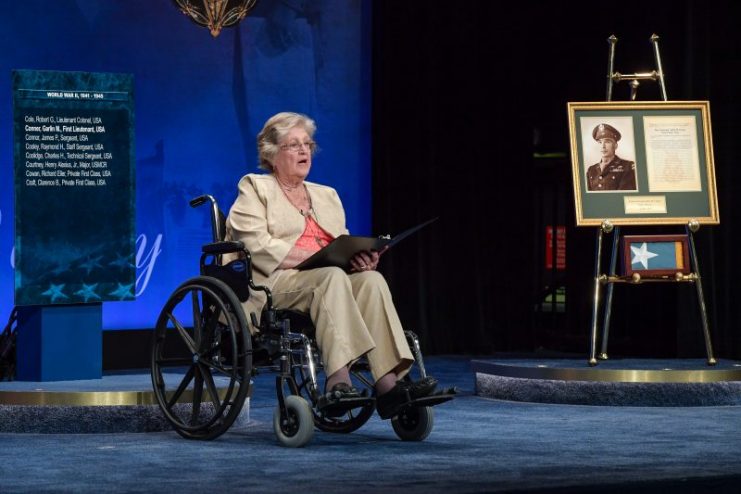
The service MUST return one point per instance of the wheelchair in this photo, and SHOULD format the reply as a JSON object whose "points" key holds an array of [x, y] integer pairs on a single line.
{"points": [[204, 356]]}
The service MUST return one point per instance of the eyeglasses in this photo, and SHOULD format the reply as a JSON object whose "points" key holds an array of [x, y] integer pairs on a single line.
{"points": [[294, 147]]}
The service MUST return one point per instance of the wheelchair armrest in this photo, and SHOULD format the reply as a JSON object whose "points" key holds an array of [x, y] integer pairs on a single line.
{"points": [[222, 247]]}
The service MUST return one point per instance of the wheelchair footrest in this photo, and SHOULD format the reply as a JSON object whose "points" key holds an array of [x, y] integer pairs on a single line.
{"points": [[329, 406], [434, 399], [440, 396]]}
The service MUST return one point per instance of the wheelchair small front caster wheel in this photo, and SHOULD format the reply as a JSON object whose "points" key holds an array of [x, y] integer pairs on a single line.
{"points": [[296, 428], [413, 423]]}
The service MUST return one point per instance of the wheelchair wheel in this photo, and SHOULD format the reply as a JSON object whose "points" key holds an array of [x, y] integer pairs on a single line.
{"points": [[413, 423], [296, 428], [201, 358]]}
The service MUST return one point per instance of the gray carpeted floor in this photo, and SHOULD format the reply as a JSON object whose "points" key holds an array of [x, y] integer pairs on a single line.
{"points": [[478, 445]]}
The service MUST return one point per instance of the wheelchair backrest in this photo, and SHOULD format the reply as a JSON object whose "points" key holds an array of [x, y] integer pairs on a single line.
{"points": [[235, 273]]}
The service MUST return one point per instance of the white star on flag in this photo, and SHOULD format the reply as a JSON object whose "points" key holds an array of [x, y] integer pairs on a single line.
{"points": [[641, 255]]}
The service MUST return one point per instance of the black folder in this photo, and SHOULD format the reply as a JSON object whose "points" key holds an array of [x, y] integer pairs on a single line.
{"points": [[340, 250]]}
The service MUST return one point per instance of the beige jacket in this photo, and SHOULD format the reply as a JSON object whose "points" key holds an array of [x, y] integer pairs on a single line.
{"points": [[269, 225]]}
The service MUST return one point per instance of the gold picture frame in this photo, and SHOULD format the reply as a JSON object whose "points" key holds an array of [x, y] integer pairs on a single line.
{"points": [[658, 169]]}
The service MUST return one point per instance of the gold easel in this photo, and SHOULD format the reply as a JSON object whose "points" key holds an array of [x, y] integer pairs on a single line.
{"points": [[607, 227]]}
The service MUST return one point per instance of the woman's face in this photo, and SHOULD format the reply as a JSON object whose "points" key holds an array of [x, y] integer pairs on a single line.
{"points": [[293, 160]]}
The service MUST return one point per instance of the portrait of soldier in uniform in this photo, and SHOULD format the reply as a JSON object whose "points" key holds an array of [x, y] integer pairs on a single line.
{"points": [[612, 172]]}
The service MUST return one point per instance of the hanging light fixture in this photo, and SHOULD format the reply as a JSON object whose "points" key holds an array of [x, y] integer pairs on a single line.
{"points": [[215, 14]]}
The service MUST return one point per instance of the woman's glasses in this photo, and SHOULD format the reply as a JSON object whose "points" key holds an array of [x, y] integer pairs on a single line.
{"points": [[295, 147]]}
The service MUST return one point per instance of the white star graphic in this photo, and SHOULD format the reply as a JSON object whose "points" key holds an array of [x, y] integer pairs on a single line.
{"points": [[641, 255], [88, 292], [54, 292], [121, 262], [123, 292], [91, 264]]}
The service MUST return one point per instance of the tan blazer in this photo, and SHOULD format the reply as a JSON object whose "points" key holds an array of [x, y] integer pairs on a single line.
{"points": [[267, 223]]}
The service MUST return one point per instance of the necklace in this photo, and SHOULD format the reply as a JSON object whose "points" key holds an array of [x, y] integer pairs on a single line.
{"points": [[303, 201], [310, 209], [285, 186]]}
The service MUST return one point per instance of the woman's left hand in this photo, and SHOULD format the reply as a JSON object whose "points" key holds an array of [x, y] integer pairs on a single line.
{"points": [[365, 261]]}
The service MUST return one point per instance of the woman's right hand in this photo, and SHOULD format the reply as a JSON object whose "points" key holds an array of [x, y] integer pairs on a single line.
{"points": [[366, 260]]}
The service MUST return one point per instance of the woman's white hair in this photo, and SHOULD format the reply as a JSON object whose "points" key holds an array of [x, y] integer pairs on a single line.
{"points": [[275, 129]]}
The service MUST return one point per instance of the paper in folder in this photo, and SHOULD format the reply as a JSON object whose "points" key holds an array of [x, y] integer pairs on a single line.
{"points": [[340, 250]]}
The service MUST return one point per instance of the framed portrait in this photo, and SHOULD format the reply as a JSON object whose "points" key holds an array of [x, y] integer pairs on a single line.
{"points": [[655, 255], [642, 163]]}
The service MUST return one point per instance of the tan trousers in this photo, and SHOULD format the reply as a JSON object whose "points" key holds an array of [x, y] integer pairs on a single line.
{"points": [[353, 315]]}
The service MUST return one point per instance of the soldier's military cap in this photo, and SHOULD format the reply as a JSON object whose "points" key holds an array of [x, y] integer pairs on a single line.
{"points": [[604, 130]]}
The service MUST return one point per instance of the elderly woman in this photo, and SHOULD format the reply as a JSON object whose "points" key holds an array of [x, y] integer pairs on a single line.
{"points": [[282, 220]]}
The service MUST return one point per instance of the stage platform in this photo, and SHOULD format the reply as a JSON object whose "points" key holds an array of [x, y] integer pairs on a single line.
{"points": [[119, 402], [613, 382], [125, 402]]}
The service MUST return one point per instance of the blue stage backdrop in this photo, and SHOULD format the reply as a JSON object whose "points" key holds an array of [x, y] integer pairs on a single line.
{"points": [[199, 102]]}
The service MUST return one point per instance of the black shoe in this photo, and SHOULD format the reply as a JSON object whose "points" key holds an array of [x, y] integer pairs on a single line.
{"points": [[389, 404], [330, 403], [343, 390], [421, 388]]}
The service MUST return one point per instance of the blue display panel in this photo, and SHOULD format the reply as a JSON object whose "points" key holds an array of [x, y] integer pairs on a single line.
{"points": [[74, 187], [199, 104]]}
